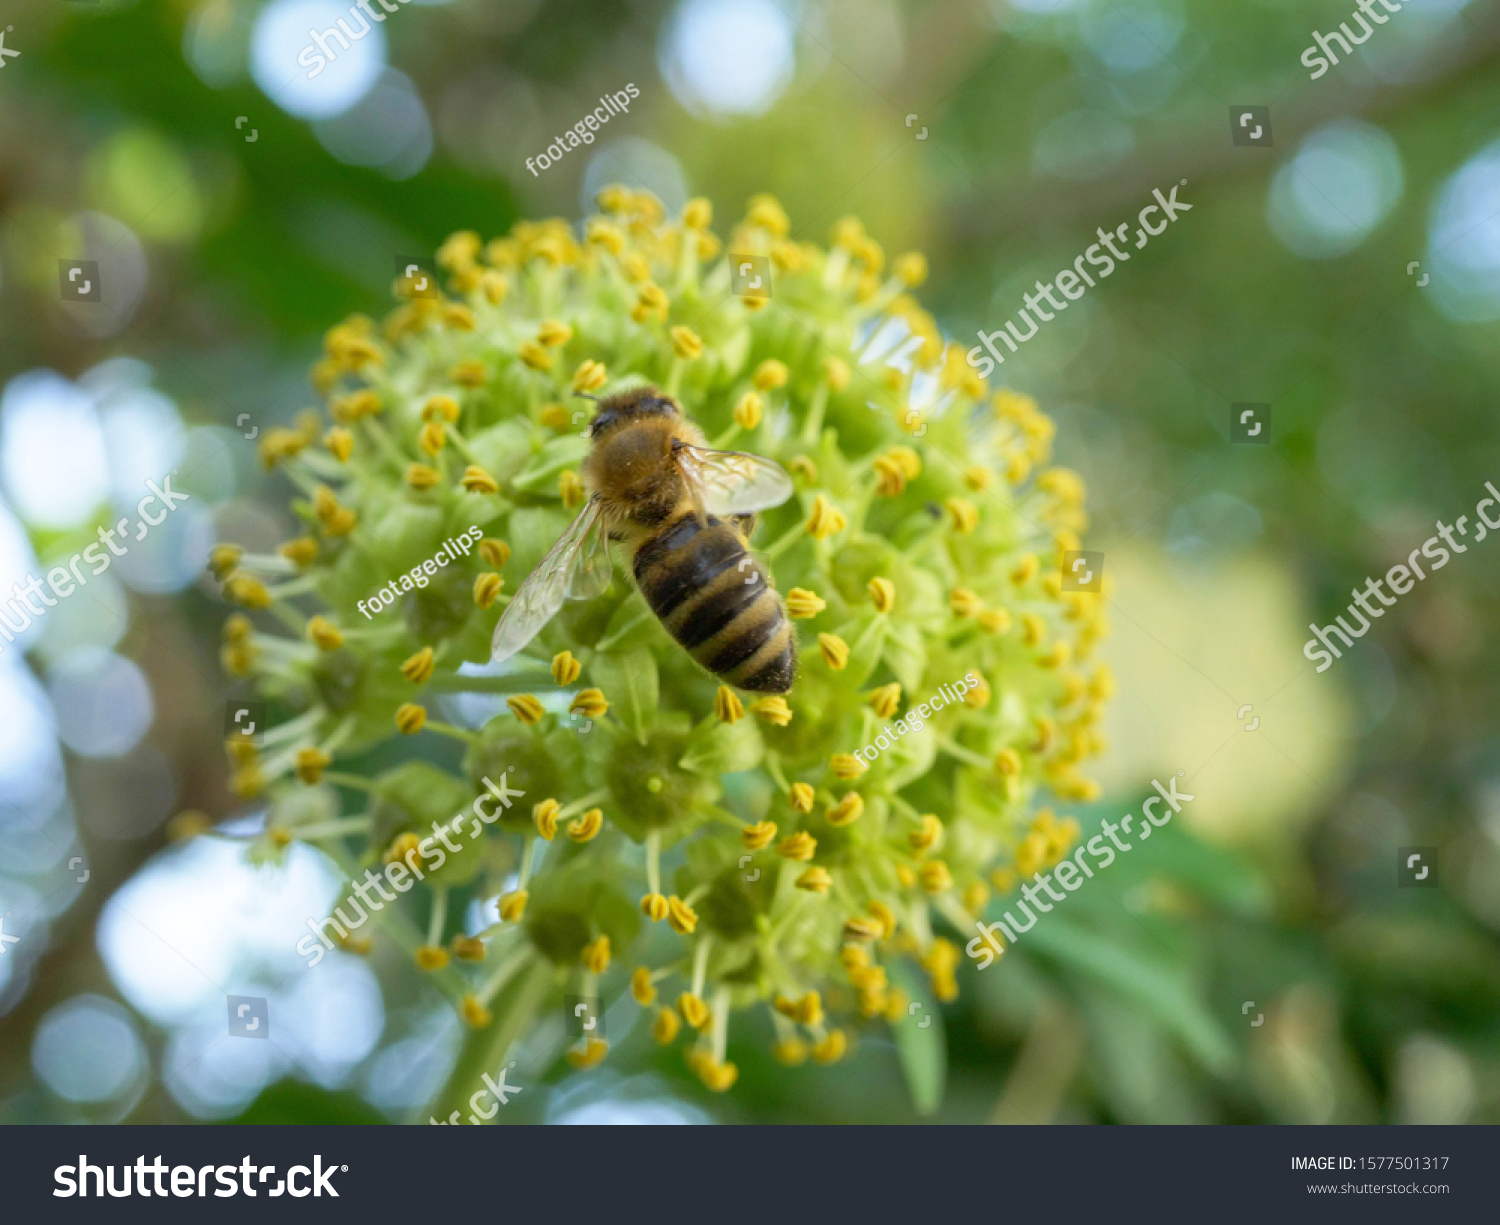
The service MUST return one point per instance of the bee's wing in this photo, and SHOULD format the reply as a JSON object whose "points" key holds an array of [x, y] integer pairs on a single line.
{"points": [[576, 567], [733, 482]]}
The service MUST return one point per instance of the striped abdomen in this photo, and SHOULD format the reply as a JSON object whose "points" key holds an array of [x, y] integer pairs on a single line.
{"points": [[714, 598]]}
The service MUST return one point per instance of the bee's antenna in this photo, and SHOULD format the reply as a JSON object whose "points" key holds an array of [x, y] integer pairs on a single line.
{"points": [[586, 396]]}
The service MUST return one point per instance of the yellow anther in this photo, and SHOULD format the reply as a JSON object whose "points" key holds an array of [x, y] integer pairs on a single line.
{"points": [[401, 847], [886, 700], [978, 696], [766, 212], [595, 955], [470, 373], [301, 551], [666, 1026], [694, 1011], [686, 343], [801, 797], [477, 480], [802, 604], [246, 591], [421, 477], [747, 412], [441, 408], [862, 928], [641, 987], [928, 833], [431, 957], [727, 706], [799, 846], [995, 620], [910, 268], [553, 333], [804, 467], [890, 479], [419, 667], [495, 552], [1054, 656], [825, 519], [1008, 762], [885, 916], [846, 766], [590, 376], [910, 461], [882, 594], [410, 718], [1033, 629], [565, 668], [593, 1053], [467, 948], [570, 488], [494, 286], [790, 1052], [544, 816], [832, 1047], [534, 355], [589, 704], [773, 710], [654, 907], [697, 213], [311, 763], [432, 438], [935, 876], [964, 602], [487, 588], [339, 443], [836, 373], [758, 836], [835, 651], [325, 634], [963, 515], [586, 827], [847, 811], [769, 375], [815, 880], [526, 708], [681, 917], [513, 906]]}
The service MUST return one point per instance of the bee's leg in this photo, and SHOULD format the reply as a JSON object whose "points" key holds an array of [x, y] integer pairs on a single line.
{"points": [[745, 525]]}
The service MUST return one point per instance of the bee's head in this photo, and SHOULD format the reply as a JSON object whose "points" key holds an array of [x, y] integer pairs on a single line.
{"points": [[632, 405]]}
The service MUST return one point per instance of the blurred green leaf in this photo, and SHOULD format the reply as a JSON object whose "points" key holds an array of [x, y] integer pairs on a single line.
{"points": [[630, 682], [923, 1051], [1157, 988]]}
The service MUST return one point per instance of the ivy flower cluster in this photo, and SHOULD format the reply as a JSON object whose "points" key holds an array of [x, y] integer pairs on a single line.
{"points": [[715, 854]]}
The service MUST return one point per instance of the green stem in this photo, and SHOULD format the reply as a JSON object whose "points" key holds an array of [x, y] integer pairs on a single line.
{"points": [[457, 733], [485, 1049], [330, 829], [516, 682]]}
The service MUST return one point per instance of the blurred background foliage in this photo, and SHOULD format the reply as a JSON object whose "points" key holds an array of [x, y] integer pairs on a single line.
{"points": [[996, 136]]}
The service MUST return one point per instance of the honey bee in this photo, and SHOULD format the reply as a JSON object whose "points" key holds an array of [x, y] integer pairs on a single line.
{"points": [[684, 511]]}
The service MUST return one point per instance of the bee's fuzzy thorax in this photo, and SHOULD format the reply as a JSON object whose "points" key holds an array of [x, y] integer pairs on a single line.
{"points": [[630, 467]]}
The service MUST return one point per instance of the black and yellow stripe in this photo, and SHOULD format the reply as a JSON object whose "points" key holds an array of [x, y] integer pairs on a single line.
{"points": [[715, 599]]}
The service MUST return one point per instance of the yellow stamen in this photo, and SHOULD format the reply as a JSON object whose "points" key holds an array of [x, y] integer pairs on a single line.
{"points": [[419, 667], [526, 708], [758, 836], [802, 604], [835, 651]]}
